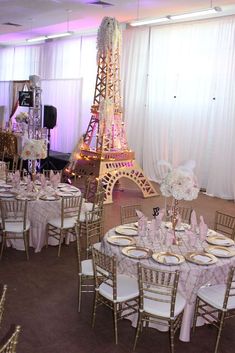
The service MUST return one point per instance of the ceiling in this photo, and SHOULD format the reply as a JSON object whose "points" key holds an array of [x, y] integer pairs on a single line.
{"points": [[24, 19]]}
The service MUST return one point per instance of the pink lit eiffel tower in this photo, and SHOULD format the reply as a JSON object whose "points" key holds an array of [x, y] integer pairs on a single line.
{"points": [[104, 152]]}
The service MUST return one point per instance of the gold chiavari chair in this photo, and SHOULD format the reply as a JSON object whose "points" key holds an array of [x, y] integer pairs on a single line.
{"points": [[225, 224], [128, 213], [159, 300], [4, 170], [216, 304], [2, 154], [15, 224], [17, 163], [91, 221], [92, 186], [10, 345], [63, 225], [118, 292], [86, 275], [2, 301], [184, 212]]}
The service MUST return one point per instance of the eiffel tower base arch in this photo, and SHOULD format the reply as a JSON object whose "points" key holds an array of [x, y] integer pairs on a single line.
{"points": [[108, 172]]}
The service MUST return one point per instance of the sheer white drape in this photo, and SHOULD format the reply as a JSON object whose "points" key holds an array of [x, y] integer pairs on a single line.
{"points": [[134, 78], [190, 100], [65, 95]]}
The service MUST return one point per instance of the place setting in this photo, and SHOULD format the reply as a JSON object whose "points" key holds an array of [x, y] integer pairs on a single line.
{"points": [[201, 258], [220, 239], [126, 230], [120, 240], [49, 197], [168, 258], [137, 252], [220, 251]]}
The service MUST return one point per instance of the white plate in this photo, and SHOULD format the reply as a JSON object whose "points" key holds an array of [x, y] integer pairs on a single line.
{"points": [[126, 230], [182, 228]]}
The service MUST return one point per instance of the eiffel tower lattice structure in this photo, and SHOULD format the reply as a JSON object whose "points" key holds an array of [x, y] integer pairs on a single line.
{"points": [[104, 151]]}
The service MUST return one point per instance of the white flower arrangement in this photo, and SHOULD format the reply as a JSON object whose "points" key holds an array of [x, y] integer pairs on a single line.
{"points": [[180, 183], [34, 149], [109, 36], [22, 117]]}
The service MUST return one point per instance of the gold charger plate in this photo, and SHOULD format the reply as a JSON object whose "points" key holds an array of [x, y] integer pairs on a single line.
{"points": [[65, 194], [220, 251], [220, 240], [120, 240], [182, 228], [24, 198], [137, 252], [6, 195], [168, 258], [201, 258], [49, 198], [127, 230]]}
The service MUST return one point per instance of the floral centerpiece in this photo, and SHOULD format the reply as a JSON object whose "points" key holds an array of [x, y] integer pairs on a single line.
{"points": [[22, 117], [181, 184], [34, 149]]}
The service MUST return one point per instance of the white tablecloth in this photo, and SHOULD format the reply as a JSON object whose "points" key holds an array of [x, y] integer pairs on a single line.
{"points": [[39, 213], [192, 276]]}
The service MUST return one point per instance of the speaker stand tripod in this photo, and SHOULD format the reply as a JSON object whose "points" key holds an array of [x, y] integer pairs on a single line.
{"points": [[47, 164]]}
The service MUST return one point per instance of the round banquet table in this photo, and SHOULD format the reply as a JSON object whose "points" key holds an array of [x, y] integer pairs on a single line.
{"points": [[42, 206], [192, 276]]}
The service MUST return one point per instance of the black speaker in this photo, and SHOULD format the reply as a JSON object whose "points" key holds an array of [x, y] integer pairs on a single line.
{"points": [[50, 116]]}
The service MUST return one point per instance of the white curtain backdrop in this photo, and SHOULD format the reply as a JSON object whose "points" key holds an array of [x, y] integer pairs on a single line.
{"points": [[190, 99], [178, 94], [65, 95]]}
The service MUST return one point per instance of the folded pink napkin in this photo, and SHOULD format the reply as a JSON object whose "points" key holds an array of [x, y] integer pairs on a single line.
{"points": [[158, 219], [16, 179], [193, 221], [178, 224], [29, 186], [54, 179], [203, 229], [142, 225], [43, 181], [161, 215], [139, 214]]}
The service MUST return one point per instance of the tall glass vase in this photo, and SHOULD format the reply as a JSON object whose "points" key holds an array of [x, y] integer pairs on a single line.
{"points": [[174, 219]]}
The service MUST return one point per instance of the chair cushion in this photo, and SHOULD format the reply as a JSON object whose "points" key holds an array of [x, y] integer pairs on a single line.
{"points": [[163, 309], [87, 268], [127, 288], [68, 222], [214, 296], [16, 227]]}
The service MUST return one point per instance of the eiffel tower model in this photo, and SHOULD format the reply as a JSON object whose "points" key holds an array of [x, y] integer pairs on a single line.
{"points": [[103, 151]]}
